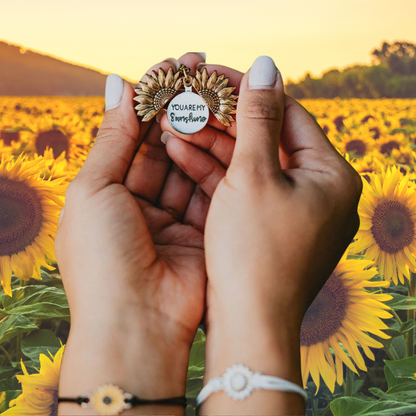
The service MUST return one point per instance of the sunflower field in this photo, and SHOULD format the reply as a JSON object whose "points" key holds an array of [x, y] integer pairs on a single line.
{"points": [[358, 336]]}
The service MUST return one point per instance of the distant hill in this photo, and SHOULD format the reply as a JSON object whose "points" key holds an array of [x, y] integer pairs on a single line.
{"points": [[29, 73]]}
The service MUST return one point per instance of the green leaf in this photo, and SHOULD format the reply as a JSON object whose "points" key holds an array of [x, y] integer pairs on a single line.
{"points": [[401, 302], [196, 364], [392, 332], [36, 302], [9, 384], [14, 325], [348, 406], [6, 397], [405, 392], [398, 347], [402, 368], [193, 387], [39, 342], [407, 326]]}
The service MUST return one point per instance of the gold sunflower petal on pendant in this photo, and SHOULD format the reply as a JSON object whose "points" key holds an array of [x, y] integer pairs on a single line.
{"points": [[215, 93], [155, 91]]}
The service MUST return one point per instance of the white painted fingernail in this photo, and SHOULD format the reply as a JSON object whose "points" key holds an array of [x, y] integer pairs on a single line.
{"points": [[113, 91], [166, 136], [202, 54], [160, 114], [263, 74], [174, 62]]}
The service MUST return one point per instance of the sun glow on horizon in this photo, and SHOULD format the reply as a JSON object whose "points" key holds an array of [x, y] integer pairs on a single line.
{"points": [[129, 38]]}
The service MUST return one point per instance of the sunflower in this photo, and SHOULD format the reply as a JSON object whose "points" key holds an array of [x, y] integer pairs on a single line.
{"points": [[357, 145], [343, 312], [387, 212], [155, 91], [29, 209], [65, 135], [388, 143], [39, 391], [218, 97]]}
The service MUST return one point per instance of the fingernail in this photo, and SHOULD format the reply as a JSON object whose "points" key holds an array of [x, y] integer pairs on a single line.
{"points": [[200, 65], [165, 137], [263, 74], [203, 55], [160, 114], [174, 62], [113, 91]]}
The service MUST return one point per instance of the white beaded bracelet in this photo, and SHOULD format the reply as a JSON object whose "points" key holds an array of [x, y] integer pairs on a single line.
{"points": [[238, 382]]}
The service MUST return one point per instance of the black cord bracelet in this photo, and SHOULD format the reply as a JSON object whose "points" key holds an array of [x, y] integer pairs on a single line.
{"points": [[110, 398]]}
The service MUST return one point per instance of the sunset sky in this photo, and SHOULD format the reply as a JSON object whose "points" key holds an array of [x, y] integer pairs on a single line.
{"points": [[128, 36]]}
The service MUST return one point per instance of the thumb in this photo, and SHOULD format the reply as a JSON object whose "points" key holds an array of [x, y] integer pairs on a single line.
{"points": [[259, 117]]}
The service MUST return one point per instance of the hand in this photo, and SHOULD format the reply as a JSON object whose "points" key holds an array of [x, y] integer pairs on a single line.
{"points": [[130, 250], [279, 221]]}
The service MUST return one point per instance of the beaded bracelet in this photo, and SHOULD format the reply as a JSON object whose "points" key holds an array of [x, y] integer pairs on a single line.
{"points": [[109, 399]]}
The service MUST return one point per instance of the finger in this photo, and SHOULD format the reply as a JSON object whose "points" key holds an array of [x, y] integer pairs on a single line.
{"points": [[176, 193], [301, 134], [150, 165], [115, 144], [217, 143], [196, 213], [202, 168], [260, 117]]}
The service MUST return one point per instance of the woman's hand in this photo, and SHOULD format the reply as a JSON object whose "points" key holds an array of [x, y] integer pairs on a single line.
{"points": [[279, 221], [130, 252]]}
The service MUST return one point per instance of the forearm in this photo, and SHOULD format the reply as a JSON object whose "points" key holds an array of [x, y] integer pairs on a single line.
{"points": [[264, 344], [137, 361]]}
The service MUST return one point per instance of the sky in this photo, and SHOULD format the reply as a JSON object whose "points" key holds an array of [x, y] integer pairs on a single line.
{"points": [[127, 37]]}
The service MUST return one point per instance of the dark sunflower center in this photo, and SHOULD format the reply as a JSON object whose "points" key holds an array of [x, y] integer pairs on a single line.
{"points": [[54, 405], [9, 136], [20, 216], [55, 139], [386, 148], [325, 315], [393, 227], [356, 146]]}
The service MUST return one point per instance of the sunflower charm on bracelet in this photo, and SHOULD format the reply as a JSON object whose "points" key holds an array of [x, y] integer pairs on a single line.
{"points": [[187, 112]]}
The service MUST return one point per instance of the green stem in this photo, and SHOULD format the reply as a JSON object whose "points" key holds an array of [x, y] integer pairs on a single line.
{"points": [[397, 317], [349, 381], [410, 315], [6, 353]]}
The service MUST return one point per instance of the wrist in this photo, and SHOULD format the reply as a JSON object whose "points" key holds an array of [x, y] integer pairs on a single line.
{"points": [[139, 361], [261, 337]]}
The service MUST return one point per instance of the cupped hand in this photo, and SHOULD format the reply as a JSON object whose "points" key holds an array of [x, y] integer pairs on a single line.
{"points": [[281, 217], [130, 251]]}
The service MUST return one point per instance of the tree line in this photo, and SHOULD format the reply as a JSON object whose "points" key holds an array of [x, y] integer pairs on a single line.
{"points": [[393, 75]]}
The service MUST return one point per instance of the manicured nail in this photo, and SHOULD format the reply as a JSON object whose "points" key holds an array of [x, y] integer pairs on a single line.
{"points": [[166, 136], [263, 74], [113, 91], [201, 65], [160, 114], [174, 62], [202, 54]]}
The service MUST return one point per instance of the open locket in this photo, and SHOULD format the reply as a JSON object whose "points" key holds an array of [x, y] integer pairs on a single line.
{"points": [[188, 111]]}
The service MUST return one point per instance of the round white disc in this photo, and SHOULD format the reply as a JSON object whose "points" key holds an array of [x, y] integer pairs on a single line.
{"points": [[187, 113]]}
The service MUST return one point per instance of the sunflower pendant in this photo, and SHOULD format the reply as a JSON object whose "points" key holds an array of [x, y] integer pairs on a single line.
{"points": [[187, 112]]}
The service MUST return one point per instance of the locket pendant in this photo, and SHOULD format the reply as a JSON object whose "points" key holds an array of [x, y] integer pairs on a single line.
{"points": [[187, 112]]}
